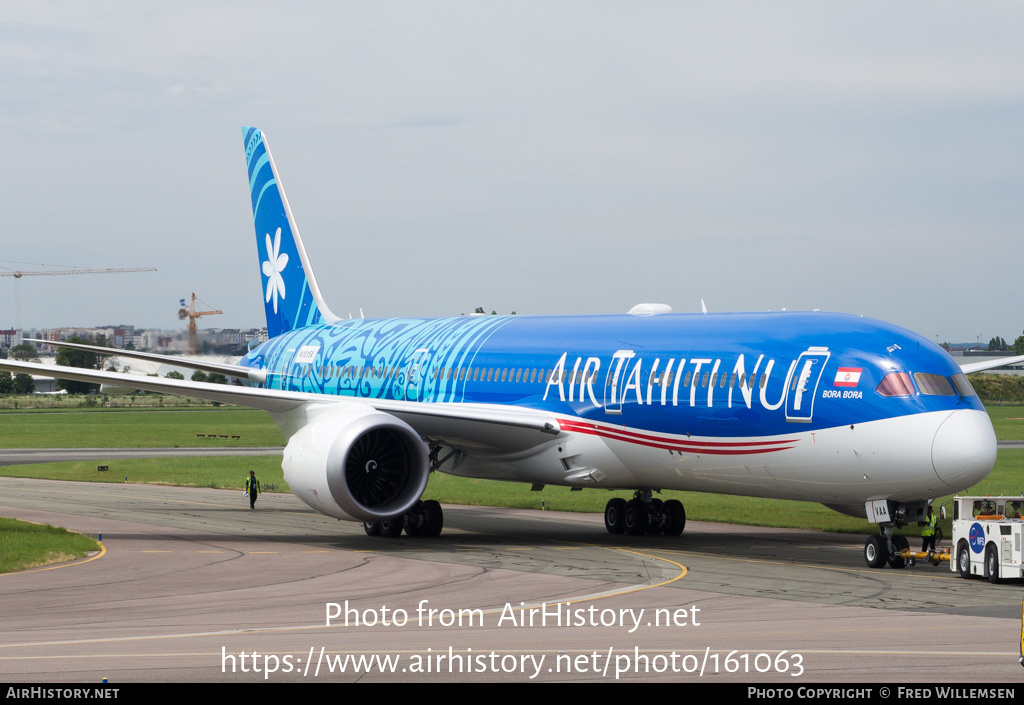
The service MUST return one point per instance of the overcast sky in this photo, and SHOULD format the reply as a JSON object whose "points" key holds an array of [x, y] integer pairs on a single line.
{"points": [[542, 157]]}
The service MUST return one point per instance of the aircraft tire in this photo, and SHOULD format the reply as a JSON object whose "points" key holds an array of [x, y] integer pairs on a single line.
{"points": [[899, 543], [676, 517], [636, 518], [992, 564], [963, 560], [372, 528], [876, 552], [434, 518], [392, 528], [613, 512]]}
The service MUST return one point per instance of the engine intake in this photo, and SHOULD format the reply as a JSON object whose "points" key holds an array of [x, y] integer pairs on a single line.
{"points": [[357, 464]]}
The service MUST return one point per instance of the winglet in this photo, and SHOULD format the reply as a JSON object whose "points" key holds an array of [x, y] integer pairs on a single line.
{"points": [[292, 298]]}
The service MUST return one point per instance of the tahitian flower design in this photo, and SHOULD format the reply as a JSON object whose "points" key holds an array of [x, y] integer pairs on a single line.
{"points": [[272, 268]]}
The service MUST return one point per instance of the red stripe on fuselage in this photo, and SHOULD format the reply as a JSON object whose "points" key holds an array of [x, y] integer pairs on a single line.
{"points": [[667, 443]]}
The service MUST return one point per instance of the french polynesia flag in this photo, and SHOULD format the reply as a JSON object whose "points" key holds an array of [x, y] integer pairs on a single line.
{"points": [[847, 377]]}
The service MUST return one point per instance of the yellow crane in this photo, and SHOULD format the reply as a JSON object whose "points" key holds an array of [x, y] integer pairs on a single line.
{"points": [[192, 314]]}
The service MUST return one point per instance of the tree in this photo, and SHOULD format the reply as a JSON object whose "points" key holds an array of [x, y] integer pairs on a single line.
{"points": [[24, 384], [6, 382], [174, 374], [80, 358], [1018, 345], [211, 377], [16, 384], [25, 352], [997, 344]]}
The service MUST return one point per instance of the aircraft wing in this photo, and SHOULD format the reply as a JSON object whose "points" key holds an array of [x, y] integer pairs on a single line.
{"points": [[970, 367], [502, 428]]}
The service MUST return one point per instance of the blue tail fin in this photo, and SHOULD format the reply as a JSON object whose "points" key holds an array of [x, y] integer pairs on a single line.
{"points": [[291, 296]]}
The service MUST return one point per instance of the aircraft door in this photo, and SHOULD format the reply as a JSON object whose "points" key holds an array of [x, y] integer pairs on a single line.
{"points": [[415, 378], [283, 372], [614, 381], [804, 385]]}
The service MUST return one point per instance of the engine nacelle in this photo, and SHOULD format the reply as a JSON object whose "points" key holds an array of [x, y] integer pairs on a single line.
{"points": [[357, 464]]}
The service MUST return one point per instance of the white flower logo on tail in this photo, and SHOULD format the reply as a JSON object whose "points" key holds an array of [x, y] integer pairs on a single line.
{"points": [[272, 268]]}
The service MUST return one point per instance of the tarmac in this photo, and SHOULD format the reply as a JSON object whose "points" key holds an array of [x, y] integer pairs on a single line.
{"points": [[193, 586]]}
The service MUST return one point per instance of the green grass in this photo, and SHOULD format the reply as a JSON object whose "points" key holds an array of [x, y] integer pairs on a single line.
{"points": [[151, 428], [26, 545], [217, 473], [1007, 420]]}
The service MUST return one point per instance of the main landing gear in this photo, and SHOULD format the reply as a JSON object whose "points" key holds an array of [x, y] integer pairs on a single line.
{"points": [[425, 519], [644, 515]]}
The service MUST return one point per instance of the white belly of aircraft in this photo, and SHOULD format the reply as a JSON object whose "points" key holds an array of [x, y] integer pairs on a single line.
{"points": [[898, 459]]}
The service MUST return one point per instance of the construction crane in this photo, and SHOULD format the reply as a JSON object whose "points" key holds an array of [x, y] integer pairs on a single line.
{"points": [[192, 314], [19, 273]]}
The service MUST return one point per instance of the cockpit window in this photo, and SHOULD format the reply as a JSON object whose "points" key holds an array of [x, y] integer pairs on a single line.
{"points": [[934, 385], [895, 384], [963, 387]]}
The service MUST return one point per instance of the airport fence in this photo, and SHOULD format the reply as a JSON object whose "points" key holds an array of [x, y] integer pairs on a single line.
{"points": [[101, 401]]}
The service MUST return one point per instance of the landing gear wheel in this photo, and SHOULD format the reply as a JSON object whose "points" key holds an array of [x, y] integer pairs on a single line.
{"points": [[425, 519], [613, 513], [899, 543], [876, 552], [992, 564], [372, 528], [434, 518], [636, 518], [676, 517], [657, 519], [392, 527], [963, 560]]}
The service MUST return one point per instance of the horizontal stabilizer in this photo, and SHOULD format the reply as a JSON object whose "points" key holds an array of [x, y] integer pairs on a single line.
{"points": [[249, 373]]}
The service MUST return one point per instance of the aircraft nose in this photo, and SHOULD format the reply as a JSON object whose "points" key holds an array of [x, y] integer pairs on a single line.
{"points": [[964, 449]]}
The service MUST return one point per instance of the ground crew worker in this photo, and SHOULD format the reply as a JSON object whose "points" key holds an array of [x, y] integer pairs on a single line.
{"points": [[928, 532], [252, 488]]}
